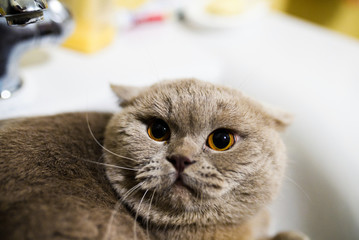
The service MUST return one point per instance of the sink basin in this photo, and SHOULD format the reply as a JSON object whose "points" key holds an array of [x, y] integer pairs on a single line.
{"points": [[301, 68]]}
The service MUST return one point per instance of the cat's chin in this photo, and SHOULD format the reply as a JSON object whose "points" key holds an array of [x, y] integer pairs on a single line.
{"points": [[179, 192], [182, 192]]}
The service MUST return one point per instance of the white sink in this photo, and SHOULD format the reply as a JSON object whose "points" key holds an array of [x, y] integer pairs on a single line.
{"points": [[304, 69]]}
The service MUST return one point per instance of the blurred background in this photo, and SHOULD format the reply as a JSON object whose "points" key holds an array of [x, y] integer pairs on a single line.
{"points": [[300, 55]]}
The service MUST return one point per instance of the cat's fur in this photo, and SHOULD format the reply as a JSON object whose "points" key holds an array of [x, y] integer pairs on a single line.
{"points": [[52, 188]]}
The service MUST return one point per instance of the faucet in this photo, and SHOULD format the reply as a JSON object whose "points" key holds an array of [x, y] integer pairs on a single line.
{"points": [[26, 24], [21, 12]]}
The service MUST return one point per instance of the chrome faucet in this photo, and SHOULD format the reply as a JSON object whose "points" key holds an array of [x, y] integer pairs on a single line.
{"points": [[20, 12], [25, 24]]}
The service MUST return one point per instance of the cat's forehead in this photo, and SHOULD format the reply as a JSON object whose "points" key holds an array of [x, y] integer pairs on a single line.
{"points": [[193, 105]]}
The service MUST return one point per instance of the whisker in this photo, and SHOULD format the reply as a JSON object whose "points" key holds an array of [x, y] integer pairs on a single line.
{"points": [[101, 157], [148, 216], [106, 236], [131, 190], [107, 165], [98, 143], [100, 163], [135, 223], [299, 187], [117, 205]]}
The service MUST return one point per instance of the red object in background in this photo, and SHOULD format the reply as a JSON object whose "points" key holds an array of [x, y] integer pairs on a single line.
{"points": [[149, 18]]}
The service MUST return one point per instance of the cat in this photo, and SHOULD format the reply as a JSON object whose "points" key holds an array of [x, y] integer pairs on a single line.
{"points": [[183, 159]]}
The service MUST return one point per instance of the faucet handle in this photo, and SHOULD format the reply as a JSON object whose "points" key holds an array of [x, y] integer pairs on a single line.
{"points": [[21, 12], [26, 5]]}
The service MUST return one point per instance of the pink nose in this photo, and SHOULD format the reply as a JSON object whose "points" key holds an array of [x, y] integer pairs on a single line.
{"points": [[180, 162]]}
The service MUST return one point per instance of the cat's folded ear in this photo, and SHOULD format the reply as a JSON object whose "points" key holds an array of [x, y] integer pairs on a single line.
{"points": [[277, 118], [273, 116], [126, 93]]}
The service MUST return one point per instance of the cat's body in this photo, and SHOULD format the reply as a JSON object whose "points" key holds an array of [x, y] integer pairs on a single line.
{"points": [[49, 192], [53, 186]]}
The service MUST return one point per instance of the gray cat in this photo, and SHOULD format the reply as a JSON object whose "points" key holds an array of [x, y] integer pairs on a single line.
{"points": [[182, 160]]}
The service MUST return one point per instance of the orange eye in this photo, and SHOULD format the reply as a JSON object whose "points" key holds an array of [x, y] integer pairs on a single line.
{"points": [[221, 140], [158, 130]]}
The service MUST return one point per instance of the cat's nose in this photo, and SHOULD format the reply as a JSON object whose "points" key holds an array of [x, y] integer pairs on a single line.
{"points": [[180, 162]]}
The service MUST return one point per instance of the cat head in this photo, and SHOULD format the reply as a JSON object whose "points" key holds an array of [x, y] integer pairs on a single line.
{"points": [[190, 152]]}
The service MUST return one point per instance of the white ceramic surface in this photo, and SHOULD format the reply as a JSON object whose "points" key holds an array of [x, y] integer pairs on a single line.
{"points": [[307, 70]]}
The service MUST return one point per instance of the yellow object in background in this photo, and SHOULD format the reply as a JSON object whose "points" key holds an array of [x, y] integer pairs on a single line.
{"points": [[225, 7], [339, 15], [130, 4], [95, 24]]}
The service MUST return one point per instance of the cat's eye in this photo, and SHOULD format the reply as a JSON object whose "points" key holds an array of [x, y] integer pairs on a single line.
{"points": [[221, 140], [158, 130]]}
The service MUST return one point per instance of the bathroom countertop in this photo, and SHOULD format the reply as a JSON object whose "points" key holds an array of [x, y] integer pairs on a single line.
{"points": [[307, 70]]}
